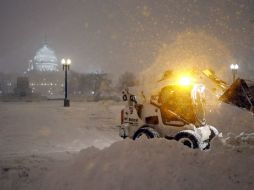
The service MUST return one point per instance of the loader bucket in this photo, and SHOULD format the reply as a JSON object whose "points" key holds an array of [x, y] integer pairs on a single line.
{"points": [[240, 94]]}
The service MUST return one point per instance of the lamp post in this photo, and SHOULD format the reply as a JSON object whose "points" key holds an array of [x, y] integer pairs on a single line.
{"points": [[234, 68], [66, 66]]}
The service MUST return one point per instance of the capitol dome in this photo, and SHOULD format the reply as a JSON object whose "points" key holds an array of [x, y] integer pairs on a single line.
{"points": [[45, 60]]}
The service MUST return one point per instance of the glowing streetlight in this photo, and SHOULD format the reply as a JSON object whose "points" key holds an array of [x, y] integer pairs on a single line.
{"points": [[68, 61], [234, 68], [63, 61], [66, 66]]}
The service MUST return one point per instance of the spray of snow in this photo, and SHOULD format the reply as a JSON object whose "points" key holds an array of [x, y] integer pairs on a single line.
{"points": [[190, 50]]}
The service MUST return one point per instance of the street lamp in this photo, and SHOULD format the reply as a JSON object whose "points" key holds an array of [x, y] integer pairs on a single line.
{"points": [[234, 68], [66, 66]]}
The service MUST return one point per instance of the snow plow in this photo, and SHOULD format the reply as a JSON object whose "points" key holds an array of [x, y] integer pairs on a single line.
{"points": [[176, 111], [240, 93]]}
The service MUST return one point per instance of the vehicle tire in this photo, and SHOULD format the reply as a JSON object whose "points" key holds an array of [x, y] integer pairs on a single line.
{"points": [[147, 132], [188, 139], [214, 133]]}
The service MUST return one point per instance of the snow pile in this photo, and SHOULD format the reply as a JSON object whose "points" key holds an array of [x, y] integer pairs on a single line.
{"points": [[243, 139], [155, 164], [230, 119], [24, 172]]}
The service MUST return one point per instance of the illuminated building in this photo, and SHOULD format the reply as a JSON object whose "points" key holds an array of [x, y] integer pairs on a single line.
{"points": [[44, 60], [43, 72]]}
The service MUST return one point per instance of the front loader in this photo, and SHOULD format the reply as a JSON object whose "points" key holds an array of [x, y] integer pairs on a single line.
{"points": [[176, 111]]}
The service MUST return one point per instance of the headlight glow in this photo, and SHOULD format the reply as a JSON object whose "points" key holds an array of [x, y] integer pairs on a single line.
{"points": [[184, 81]]}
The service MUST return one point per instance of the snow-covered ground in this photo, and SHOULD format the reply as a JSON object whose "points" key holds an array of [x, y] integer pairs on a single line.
{"points": [[40, 144], [36, 136], [43, 127]]}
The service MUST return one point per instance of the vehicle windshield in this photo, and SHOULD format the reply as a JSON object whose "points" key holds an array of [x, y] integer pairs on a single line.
{"points": [[198, 103], [179, 101]]}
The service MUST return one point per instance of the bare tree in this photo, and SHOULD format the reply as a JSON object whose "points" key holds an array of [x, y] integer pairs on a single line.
{"points": [[127, 79]]}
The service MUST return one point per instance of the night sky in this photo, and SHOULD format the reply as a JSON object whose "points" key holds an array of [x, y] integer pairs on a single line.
{"points": [[120, 35]]}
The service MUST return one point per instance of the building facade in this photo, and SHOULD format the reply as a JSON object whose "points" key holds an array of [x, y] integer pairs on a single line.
{"points": [[45, 60], [44, 73]]}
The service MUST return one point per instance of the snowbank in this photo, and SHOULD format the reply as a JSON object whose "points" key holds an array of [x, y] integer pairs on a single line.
{"points": [[155, 164], [243, 139]]}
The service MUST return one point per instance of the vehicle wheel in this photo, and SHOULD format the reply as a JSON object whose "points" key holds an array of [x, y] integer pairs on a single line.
{"points": [[187, 139], [146, 132]]}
